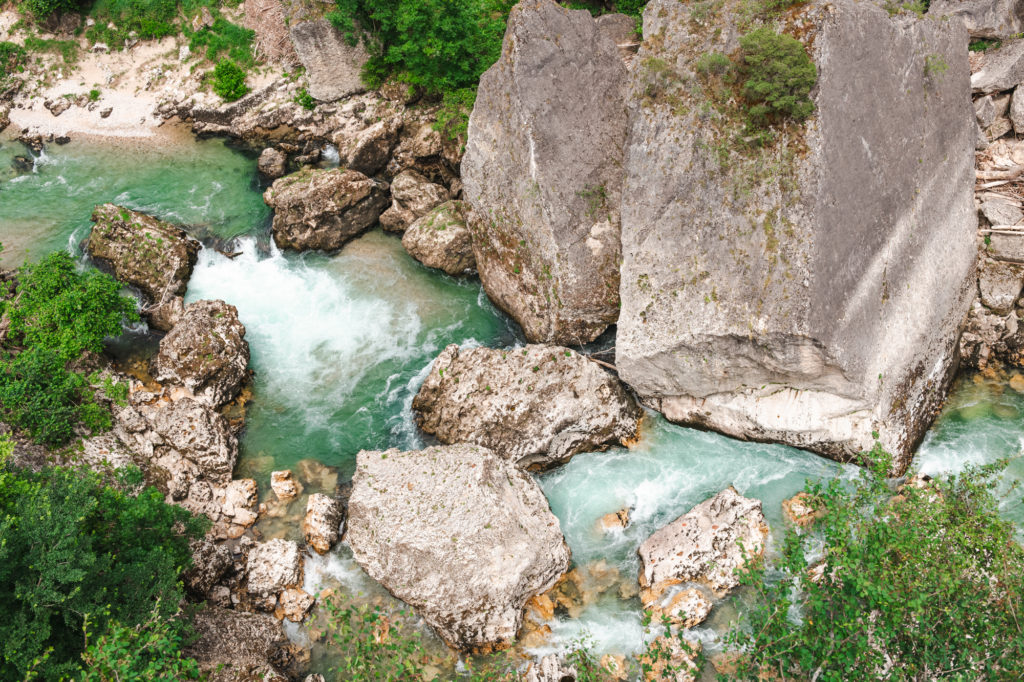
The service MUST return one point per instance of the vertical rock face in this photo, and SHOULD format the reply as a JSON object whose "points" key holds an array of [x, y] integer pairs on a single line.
{"points": [[809, 292], [458, 533], [994, 19], [543, 173], [334, 67]]}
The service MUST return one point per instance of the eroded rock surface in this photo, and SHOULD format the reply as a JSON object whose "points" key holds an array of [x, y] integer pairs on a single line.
{"points": [[703, 545], [155, 257], [992, 19], [440, 239], [323, 209], [543, 173], [274, 566], [235, 646], [206, 352], [322, 523], [536, 406], [412, 196], [819, 302], [466, 562], [333, 67]]}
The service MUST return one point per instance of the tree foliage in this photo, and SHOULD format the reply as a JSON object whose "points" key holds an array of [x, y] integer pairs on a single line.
{"points": [[229, 80], [75, 548], [777, 77], [926, 583]]}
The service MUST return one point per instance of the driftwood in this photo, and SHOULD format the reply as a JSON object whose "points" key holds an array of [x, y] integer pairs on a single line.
{"points": [[1008, 174]]}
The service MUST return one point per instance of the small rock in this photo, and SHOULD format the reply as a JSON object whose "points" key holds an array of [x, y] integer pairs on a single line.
{"points": [[284, 485], [57, 106], [999, 212], [273, 567], [1017, 110], [273, 163], [293, 604], [681, 657], [550, 669], [240, 501], [985, 111], [704, 545], [688, 608], [184, 52], [210, 561], [614, 520], [322, 523], [1000, 284], [615, 666], [1017, 382], [800, 509], [106, 112], [412, 196], [999, 127], [1003, 69], [440, 239]]}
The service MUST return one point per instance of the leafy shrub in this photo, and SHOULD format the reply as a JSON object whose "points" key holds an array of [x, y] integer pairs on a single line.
{"points": [[75, 547], [453, 116], [437, 45], [713, 64], [94, 95], [66, 311], [305, 100], [925, 584], [229, 80], [225, 37], [778, 77], [12, 59], [148, 652], [41, 9]]}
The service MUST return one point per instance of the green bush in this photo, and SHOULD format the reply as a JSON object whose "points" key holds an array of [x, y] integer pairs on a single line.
{"points": [[12, 59], [41, 9], [225, 37], [925, 584], [437, 45], [148, 652], [77, 548], [777, 77], [713, 64], [229, 80], [305, 100], [453, 116]]}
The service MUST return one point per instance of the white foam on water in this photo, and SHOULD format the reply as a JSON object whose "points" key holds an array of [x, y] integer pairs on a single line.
{"points": [[313, 337], [330, 156]]}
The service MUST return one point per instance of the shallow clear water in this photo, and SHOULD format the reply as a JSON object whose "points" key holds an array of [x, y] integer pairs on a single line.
{"points": [[341, 342]]}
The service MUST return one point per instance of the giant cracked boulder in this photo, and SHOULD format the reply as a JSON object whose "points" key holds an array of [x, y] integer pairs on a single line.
{"points": [[543, 173], [460, 534], [536, 406], [324, 209], [810, 291], [206, 352], [333, 67], [155, 257]]}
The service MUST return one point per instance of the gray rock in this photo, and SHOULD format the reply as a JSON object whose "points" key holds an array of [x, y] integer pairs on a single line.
{"points": [[536, 406], [543, 173], [106, 112], [235, 646], [273, 163], [620, 28], [999, 127], [999, 212], [155, 257], [206, 352], [369, 151], [1017, 110], [993, 19], [274, 566], [458, 533], [985, 111], [703, 545], [210, 562], [765, 297], [1000, 284], [1003, 69], [57, 106], [1006, 247], [440, 239], [412, 197], [989, 337], [333, 67], [322, 524], [323, 209]]}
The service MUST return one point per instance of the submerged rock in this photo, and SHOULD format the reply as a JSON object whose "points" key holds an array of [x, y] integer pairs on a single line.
{"points": [[412, 197], [703, 545], [458, 533], [155, 257], [536, 406], [543, 173], [818, 302], [322, 523], [206, 352], [440, 239], [323, 209], [284, 485]]}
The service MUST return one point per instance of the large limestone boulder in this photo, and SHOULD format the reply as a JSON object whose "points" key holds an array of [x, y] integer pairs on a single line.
{"points": [[992, 19], [155, 257], [440, 239], [460, 534], [543, 173], [206, 352], [323, 209], [333, 67], [536, 406], [706, 545], [412, 196], [808, 292]]}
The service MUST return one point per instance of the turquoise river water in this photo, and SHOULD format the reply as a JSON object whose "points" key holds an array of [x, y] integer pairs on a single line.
{"points": [[341, 342]]}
